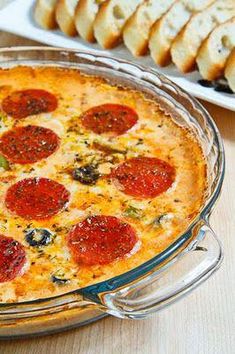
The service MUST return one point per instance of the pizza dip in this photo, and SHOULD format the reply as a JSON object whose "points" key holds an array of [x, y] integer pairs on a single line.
{"points": [[95, 179]]}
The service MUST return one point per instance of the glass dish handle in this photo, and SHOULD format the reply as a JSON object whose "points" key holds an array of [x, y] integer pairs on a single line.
{"points": [[169, 283]]}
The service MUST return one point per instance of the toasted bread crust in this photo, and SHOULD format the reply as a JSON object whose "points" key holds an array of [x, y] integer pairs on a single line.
{"points": [[85, 14], [215, 50], [110, 20], [44, 14], [137, 29], [158, 45], [65, 16], [134, 40], [106, 40], [230, 70], [183, 57], [185, 47], [165, 30], [184, 33]]}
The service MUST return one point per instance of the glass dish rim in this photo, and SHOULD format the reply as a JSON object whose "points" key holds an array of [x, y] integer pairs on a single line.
{"points": [[123, 279]]}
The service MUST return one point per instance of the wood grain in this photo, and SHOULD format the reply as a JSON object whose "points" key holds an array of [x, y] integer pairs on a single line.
{"points": [[203, 322]]}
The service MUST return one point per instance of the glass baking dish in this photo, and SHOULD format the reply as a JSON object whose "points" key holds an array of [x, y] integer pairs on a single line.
{"points": [[168, 276]]}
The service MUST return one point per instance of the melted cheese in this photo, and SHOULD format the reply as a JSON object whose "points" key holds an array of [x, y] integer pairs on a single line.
{"points": [[155, 134]]}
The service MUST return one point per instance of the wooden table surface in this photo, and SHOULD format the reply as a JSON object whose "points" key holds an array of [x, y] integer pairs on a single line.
{"points": [[203, 322]]}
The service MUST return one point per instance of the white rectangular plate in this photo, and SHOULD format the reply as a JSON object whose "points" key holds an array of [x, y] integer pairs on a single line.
{"points": [[17, 18]]}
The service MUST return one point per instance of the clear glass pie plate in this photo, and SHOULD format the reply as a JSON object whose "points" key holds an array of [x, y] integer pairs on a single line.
{"points": [[168, 276]]}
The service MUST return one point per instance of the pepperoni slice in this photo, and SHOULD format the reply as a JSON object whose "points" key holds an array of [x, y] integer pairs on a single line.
{"points": [[12, 258], [109, 118], [28, 144], [143, 177], [21, 104], [101, 240], [36, 198]]}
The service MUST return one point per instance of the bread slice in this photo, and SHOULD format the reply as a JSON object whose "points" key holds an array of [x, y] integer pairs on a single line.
{"points": [[137, 29], [111, 19], [44, 14], [186, 45], [167, 28], [230, 70], [215, 50], [65, 10], [85, 14]]}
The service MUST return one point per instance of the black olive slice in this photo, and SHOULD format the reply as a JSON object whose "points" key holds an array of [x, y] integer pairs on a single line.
{"points": [[87, 174], [223, 88], [205, 83], [158, 220], [39, 237], [59, 280], [218, 85]]}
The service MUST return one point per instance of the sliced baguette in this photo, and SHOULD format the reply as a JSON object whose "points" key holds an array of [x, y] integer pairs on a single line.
{"points": [[186, 45], [230, 70], [85, 14], [165, 30], [65, 10], [44, 13], [110, 20], [137, 29], [215, 50]]}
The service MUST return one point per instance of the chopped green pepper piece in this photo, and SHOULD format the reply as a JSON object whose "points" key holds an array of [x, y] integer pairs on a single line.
{"points": [[132, 212], [4, 163]]}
